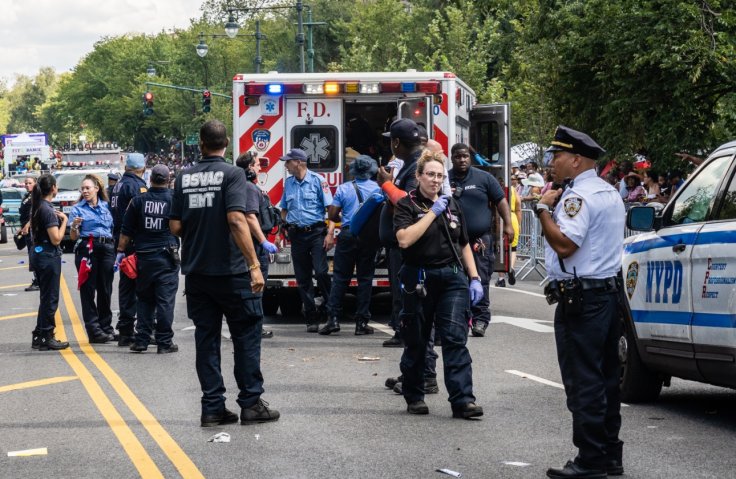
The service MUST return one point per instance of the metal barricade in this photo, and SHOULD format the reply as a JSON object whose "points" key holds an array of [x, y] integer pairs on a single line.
{"points": [[531, 245]]}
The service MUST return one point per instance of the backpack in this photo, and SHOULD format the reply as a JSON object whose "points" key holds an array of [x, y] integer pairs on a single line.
{"points": [[268, 215], [365, 221]]}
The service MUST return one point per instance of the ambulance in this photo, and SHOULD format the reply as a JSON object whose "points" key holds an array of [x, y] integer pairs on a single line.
{"points": [[334, 117], [680, 285]]}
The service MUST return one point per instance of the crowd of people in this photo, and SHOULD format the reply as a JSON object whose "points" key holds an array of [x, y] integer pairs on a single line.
{"points": [[213, 224]]}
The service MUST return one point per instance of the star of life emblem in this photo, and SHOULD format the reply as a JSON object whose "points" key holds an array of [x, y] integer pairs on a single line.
{"points": [[316, 147], [270, 107]]}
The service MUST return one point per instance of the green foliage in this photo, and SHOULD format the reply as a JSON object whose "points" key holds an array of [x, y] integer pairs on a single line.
{"points": [[656, 76]]}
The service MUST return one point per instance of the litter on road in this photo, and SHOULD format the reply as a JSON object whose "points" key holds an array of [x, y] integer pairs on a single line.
{"points": [[450, 472], [220, 437]]}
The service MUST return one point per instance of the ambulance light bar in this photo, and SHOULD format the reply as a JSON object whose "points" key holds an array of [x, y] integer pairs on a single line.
{"points": [[331, 88]]}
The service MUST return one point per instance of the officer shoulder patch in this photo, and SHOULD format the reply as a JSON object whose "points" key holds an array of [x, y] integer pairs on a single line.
{"points": [[572, 206], [143, 189], [325, 187]]}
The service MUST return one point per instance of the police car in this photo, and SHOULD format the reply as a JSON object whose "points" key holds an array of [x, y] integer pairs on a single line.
{"points": [[680, 282]]}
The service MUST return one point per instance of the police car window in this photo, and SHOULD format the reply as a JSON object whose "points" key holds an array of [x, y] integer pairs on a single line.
{"points": [[320, 143], [696, 199], [728, 207]]}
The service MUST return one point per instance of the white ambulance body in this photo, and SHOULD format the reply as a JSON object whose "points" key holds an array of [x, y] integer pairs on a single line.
{"points": [[335, 116], [680, 279]]}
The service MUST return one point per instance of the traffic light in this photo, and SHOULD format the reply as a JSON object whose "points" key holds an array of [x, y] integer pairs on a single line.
{"points": [[206, 99], [148, 103]]}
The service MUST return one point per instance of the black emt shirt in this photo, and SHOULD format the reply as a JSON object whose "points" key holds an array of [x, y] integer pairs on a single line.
{"points": [[475, 192], [203, 196], [146, 220], [433, 248]]}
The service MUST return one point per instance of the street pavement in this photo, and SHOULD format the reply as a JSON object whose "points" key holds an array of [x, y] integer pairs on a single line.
{"points": [[100, 411]]}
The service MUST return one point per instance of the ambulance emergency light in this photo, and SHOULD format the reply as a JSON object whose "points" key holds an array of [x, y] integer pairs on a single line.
{"points": [[275, 89]]}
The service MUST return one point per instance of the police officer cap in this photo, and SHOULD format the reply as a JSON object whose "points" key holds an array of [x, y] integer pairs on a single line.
{"points": [[403, 129], [135, 161], [577, 142], [160, 174], [294, 154], [113, 176], [363, 167]]}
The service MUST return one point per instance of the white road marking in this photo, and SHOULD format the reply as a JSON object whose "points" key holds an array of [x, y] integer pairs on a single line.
{"points": [[382, 328], [517, 464], [526, 323], [535, 378], [520, 291], [41, 451]]}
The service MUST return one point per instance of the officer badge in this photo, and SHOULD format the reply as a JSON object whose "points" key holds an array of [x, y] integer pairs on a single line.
{"points": [[572, 206], [261, 139], [632, 275]]}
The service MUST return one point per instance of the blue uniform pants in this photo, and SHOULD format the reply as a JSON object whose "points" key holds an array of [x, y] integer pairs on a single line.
{"points": [[308, 254], [156, 286], [349, 256], [209, 298], [47, 265], [96, 293], [484, 258], [587, 351], [446, 301], [128, 305]]}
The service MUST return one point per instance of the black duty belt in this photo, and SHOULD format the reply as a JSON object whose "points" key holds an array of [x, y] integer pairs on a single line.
{"points": [[308, 228], [103, 240], [587, 284]]}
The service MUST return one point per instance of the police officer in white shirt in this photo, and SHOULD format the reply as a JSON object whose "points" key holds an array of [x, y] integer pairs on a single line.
{"points": [[583, 244]]}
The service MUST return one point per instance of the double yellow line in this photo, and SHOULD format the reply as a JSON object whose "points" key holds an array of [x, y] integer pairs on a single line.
{"points": [[132, 446]]}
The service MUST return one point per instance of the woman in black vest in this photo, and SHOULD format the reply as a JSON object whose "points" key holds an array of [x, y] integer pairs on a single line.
{"points": [[47, 230], [438, 278]]}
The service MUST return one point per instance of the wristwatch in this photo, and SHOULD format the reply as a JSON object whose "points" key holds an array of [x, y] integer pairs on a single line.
{"points": [[475, 277], [539, 207]]}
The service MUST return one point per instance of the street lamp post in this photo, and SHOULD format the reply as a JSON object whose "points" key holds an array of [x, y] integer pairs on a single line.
{"points": [[231, 31], [151, 70]]}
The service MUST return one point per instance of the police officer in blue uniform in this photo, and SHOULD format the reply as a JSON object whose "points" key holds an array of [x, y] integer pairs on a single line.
{"points": [[112, 180], [129, 186], [583, 227], [479, 194], [306, 197], [146, 224], [350, 253], [222, 278]]}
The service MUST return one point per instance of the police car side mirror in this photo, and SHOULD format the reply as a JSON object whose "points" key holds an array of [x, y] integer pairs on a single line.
{"points": [[640, 218]]}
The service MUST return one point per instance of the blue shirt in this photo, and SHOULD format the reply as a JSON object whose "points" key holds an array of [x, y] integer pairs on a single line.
{"points": [[347, 199], [306, 200], [96, 221]]}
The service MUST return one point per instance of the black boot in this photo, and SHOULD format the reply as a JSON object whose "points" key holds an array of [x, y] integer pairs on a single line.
{"points": [[332, 326], [36, 339], [48, 341], [361, 327], [34, 285]]}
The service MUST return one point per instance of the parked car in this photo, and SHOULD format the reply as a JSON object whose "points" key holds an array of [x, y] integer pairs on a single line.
{"points": [[680, 285], [12, 197]]}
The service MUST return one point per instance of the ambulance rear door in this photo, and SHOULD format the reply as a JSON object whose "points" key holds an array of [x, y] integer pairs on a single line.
{"points": [[490, 135], [417, 109], [314, 125]]}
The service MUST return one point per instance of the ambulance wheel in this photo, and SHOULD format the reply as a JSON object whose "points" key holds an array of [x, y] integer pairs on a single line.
{"points": [[638, 383], [270, 303], [290, 302]]}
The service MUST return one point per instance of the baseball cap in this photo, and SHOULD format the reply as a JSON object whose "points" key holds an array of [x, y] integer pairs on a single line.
{"points": [[113, 176], [160, 174], [135, 161], [403, 129], [577, 142], [294, 154]]}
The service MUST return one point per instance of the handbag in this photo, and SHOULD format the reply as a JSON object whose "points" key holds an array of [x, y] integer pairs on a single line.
{"points": [[129, 266], [20, 240]]}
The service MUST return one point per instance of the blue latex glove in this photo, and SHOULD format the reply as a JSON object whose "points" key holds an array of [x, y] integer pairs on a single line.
{"points": [[440, 205], [476, 292], [118, 259], [270, 247]]}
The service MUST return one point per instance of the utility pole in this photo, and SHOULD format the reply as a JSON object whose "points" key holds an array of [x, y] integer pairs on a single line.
{"points": [[300, 33]]}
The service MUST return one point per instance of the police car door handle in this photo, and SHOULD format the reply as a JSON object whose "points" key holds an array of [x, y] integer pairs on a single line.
{"points": [[679, 248]]}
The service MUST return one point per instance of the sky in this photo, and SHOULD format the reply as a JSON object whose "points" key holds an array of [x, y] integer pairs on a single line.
{"points": [[59, 33]]}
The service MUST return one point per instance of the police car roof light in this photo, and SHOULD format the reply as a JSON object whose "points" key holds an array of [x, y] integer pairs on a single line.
{"points": [[408, 87], [275, 89], [370, 87]]}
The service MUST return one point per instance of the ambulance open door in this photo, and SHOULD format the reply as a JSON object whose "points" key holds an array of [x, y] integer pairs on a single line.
{"points": [[490, 135], [416, 109]]}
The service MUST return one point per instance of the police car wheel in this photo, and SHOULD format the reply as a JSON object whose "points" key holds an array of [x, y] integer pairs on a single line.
{"points": [[270, 303], [638, 383]]}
